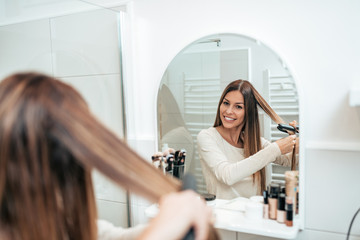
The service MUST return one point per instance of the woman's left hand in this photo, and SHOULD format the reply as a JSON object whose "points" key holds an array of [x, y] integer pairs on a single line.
{"points": [[294, 124]]}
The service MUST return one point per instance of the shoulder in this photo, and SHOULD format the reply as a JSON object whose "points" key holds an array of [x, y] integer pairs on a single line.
{"points": [[211, 131], [208, 134]]}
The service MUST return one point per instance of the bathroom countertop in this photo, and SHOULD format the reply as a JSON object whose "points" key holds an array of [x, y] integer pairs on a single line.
{"points": [[230, 216]]}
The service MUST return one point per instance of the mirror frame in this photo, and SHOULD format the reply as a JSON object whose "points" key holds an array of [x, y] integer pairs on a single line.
{"points": [[301, 100]]}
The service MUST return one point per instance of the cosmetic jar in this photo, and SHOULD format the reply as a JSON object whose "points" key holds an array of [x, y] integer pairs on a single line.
{"points": [[254, 210]]}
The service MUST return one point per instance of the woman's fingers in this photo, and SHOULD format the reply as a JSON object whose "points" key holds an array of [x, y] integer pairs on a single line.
{"points": [[286, 144], [178, 213]]}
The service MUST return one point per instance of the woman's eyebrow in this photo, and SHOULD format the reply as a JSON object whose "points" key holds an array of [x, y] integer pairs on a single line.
{"points": [[235, 103]]}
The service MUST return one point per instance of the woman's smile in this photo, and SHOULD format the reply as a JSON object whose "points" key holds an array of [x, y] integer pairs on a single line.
{"points": [[229, 119]]}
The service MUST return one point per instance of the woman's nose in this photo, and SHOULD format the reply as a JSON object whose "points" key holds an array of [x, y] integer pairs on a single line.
{"points": [[229, 109]]}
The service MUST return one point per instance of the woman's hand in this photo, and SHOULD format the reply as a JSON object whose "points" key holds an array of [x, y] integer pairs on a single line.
{"points": [[178, 212], [286, 144], [293, 124]]}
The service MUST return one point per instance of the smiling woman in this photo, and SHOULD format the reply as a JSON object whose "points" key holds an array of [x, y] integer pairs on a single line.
{"points": [[195, 79], [232, 153]]}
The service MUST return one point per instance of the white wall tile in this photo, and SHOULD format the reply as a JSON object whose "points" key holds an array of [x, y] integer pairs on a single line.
{"points": [[105, 189], [138, 215], [25, 47], [113, 212], [145, 147], [103, 94], [85, 43]]}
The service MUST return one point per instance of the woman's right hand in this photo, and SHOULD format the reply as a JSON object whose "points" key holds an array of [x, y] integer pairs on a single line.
{"points": [[286, 144], [178, 212]]}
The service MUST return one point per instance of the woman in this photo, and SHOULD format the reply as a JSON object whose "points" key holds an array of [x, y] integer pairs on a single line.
{"points": [[49, 143], [232, 153]]}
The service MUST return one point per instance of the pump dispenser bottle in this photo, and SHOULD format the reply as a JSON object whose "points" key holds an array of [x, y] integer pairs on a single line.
{"points": [[273, 198]]}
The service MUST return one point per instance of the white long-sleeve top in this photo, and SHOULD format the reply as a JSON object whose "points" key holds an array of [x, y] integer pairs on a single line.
{"points": [[227, 173], [107, 231]]}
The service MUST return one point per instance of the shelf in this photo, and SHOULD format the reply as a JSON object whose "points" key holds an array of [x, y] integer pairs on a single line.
{"points": [[234, 219]]}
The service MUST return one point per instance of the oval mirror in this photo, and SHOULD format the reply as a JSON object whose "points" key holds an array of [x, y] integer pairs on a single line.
{"points": [[193, 83]]}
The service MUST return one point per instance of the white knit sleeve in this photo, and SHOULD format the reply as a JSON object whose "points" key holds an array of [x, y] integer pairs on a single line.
{"points": [[230, 172], [107, 231]]}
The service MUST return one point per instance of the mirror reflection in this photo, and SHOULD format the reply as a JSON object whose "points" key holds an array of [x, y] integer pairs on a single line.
{"points": [[188, 101]]}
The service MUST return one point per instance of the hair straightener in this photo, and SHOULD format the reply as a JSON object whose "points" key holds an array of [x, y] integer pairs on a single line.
{"points": [[286, 128]]}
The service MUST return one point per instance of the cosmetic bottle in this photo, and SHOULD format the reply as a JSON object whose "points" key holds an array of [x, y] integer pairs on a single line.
{"points": [[170, 164], [266, 204], [282, 189], [281, 215], [273, 198], [176, 163], [289, 211], [297, 200], [183, 156], [291, 185]]}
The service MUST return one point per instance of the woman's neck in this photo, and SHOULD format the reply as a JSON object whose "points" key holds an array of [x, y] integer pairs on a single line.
{"points": [[231, 135]]}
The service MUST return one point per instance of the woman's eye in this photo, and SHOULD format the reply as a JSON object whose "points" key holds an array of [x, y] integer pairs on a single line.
{"points": [[238, 107], [225, 103]]}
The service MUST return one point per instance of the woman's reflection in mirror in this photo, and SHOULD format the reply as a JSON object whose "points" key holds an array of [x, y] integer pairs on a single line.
{"points": [[232, 153]]}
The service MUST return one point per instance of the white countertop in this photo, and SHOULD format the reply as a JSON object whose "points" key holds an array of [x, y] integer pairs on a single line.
{"points": [[230, 216]]}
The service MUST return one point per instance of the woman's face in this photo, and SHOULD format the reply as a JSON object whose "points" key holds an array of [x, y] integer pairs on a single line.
{"points": [[232, 110]]}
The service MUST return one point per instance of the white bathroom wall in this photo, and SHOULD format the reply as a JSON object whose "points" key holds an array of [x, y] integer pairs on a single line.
{"points": [[318, 40], [81, 49]]}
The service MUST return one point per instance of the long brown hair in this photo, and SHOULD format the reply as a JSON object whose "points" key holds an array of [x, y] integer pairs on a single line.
{"points": [[250, 133], [49, 142]]}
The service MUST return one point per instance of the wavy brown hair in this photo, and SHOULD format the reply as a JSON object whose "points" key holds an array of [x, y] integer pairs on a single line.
{"points": [[250, 137], [49, 142]]}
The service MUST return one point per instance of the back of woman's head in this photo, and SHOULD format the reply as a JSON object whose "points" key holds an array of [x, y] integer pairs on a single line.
{"points": [[45, 193], [49, 142]]}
